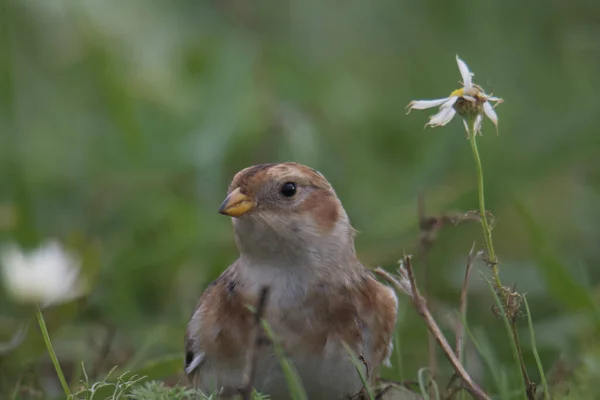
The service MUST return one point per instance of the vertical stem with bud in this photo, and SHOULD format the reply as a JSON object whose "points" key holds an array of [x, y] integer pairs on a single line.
{"points": [[529, 387], [487, 231], [51, 353]]}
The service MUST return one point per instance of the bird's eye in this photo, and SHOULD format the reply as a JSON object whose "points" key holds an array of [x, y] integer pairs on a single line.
{"points": [[288, 189]]}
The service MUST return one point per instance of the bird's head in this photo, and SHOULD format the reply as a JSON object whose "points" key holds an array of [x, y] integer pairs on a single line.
{"points": [[288, 213]]}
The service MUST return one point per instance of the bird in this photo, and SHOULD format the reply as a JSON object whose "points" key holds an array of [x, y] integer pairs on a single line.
{"points": [[294, 238]]}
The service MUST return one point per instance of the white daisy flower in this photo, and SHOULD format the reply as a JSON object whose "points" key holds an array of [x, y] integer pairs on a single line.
{"points": [[45, 276], [470, 101]]}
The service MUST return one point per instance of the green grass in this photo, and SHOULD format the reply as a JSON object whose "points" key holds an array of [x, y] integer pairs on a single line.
{"points": [[538, 361]]}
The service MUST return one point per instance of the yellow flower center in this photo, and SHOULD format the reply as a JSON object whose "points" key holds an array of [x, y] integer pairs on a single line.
{"points": [[458, 92]]}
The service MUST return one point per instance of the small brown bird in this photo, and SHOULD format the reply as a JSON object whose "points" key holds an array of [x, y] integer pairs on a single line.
{"points": [[294, 237]]}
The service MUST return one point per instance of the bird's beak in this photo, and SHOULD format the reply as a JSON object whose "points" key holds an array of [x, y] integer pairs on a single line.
{"points": [[236, 204]]}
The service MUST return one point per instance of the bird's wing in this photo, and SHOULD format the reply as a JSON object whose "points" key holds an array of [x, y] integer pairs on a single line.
{"points": [[361, 314], [378, 305], [194, 354], [218, 325]]}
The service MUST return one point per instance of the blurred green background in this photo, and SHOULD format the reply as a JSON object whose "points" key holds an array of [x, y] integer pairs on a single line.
{"points": [[122, 123]]}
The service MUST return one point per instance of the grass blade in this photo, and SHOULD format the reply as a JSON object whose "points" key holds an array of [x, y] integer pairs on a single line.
{"points": [[425, 382], [291, 376], [397, 342], [358, 365], [535, 352], [485, 351]]}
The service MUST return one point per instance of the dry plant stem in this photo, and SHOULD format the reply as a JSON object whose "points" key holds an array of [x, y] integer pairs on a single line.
{"points": [[253, 345], [460, 331], [530, 387], [421, 307], [451, 389], [427, 235]]}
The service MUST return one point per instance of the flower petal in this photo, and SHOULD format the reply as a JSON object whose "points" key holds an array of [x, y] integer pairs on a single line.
{"points": [[489, 111], [466, 127], [424, 104], [477, 124], [492, 98], [491, 114], [465, 73], [450, 102], [443, 117]]}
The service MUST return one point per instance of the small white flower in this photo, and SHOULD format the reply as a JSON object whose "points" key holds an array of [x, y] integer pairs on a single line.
{"points": [[470, 101], [45, 276]]}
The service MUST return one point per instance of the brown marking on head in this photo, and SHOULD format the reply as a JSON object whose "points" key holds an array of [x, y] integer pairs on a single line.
{"points": [[246, 178], [303, 174], [324, 207], [251, 176], [294, 169]]}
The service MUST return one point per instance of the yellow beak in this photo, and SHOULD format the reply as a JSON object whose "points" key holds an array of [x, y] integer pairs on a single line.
{"points": [[236, 204]]}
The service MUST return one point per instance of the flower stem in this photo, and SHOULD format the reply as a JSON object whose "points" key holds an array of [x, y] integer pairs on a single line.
{"points": [[61, 376], [502, 297], [487, 231]]}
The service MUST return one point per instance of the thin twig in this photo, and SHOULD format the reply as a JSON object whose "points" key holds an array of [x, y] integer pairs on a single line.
{"points": [[428, 232], [452, 389], [530, 386], [460, 331], [421, 308], [430, 225], [429, 228], [253, 344]]}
